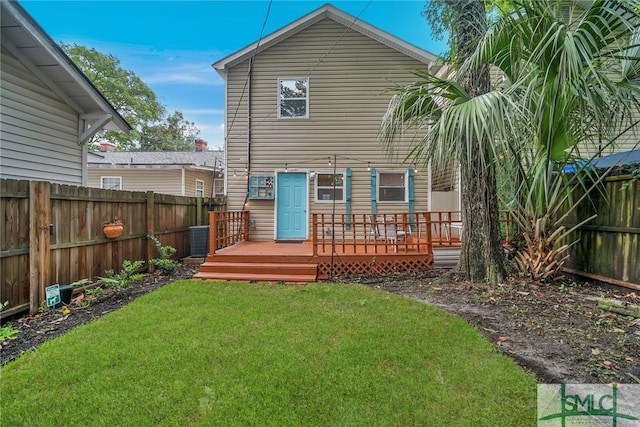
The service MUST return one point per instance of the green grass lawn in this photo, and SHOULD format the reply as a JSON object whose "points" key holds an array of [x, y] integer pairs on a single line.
{"points": [[206, 353]]}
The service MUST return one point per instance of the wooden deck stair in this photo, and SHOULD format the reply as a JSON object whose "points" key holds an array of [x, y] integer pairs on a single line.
{"points": [[258, 271]]}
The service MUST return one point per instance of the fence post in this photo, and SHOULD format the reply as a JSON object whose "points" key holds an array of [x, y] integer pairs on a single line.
{"points": [[151, 222], [39, 241], [198, 211]]}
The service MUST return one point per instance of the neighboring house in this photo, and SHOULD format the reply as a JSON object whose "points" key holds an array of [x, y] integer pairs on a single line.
{"points": [[181, 173], [49, 109], [303, 109]]}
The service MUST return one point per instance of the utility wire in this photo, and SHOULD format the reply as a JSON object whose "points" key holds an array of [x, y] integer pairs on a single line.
{"points": [[246, 82]]}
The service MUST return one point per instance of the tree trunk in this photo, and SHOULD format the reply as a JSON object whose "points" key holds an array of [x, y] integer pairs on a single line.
{"points": [[482, 256]]}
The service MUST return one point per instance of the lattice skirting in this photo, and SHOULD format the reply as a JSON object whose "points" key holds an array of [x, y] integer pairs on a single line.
{"points": [[375, 266]]}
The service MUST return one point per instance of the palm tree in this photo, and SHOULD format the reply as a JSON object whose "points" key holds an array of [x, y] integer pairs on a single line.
{"points": [[567, 84]]}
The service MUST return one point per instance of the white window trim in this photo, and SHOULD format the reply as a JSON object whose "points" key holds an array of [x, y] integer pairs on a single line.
{"points": [[199, 181], [102, 178], [215, 192], [406, 185], [344, 186], [306, 116]]}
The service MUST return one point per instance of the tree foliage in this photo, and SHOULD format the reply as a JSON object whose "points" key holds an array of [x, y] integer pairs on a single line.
{"points": [[569, 86], [174, 133], [128, 94], [153, 128]]}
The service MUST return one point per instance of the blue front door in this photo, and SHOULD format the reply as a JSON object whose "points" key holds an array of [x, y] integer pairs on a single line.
{"points": [[291, 198]]}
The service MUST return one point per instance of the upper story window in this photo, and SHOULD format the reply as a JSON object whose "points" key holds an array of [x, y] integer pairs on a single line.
{"points": [[330, 187], [111, 182], [293, 98], [392, 186], [199, 188]]}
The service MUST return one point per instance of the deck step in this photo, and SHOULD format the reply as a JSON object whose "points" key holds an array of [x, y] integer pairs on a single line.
{"points": [[258, 271], [247, 277]]}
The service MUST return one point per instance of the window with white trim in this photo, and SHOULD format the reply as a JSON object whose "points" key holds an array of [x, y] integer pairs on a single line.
{"points": [[199, 188], [218, 187], [329, 187], [392, 186], [293, 98], [111, 182]]}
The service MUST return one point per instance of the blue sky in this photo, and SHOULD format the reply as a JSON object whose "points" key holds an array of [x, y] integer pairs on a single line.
{"points": [[171, 45]]}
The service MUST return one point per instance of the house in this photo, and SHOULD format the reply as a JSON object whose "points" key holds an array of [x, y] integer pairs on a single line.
{"points": [[197, 173], [303, 109], [48, 108]]}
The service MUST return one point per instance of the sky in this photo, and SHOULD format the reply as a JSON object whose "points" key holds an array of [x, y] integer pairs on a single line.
{"points": [[171, 45]]}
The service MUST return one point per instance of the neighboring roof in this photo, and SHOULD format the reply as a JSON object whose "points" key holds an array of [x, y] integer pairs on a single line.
{"points": [[27, 41], [619, 159], [331, 12], [208, 160]]}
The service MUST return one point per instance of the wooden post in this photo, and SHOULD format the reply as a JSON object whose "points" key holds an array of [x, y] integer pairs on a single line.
{"points": [[198, 211], [151, 222], [39, 241], [245, 238], [213, 232]]}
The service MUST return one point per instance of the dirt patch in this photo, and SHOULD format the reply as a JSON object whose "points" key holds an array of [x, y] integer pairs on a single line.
{"points": [[555, 331]]}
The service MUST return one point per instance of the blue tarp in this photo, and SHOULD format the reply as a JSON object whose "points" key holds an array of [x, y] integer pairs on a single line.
{"points": [[618, 159]]}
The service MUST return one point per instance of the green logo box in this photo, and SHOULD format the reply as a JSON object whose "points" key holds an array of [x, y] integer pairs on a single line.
{"points": [[568, 405]]}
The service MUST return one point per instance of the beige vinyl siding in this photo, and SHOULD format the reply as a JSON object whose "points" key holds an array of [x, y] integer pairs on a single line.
{"points": [[39, 131], [166, 181], [348, 95], [190, 182]]}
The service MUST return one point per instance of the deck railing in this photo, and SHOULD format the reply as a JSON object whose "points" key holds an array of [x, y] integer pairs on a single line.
{"points": [[365, 233], [372, 233], [447, 227], [228, 228]]}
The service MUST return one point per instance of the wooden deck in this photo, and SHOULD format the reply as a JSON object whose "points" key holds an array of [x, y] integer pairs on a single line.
{"points": [[295, 262], [339, 245]]}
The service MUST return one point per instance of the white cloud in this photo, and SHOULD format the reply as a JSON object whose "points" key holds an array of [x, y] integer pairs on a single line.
{"points": [[186, 73]]}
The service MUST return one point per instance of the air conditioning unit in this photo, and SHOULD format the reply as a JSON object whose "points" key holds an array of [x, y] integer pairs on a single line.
{"points": [[199, 236]]}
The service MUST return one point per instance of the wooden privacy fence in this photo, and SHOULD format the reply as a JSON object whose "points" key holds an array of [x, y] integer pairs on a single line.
{"points": [[609, 246], [52, 233]]}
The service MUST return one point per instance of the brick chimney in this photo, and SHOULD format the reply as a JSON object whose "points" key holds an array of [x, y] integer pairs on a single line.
{"points": [[201, 145], [107, 146]]}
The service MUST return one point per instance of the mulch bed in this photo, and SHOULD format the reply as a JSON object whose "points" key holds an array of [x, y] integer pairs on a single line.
{"points": [[555, 331]]}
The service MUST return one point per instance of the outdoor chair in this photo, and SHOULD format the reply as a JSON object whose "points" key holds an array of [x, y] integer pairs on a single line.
{"points": [[386, 228]]}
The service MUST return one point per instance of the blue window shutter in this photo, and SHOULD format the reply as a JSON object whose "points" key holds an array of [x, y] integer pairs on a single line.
{"points": [[374, 191], [347, 184], [411, 196]]}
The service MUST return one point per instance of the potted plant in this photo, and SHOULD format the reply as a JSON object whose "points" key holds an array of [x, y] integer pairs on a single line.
{"points": [[113, 228]]}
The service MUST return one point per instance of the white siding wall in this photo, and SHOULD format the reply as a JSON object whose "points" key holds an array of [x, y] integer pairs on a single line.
{"points": [[348, 95], [39, 132]]}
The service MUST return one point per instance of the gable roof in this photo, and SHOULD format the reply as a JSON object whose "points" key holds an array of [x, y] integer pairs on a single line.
{"points": [[331, 12], [207, 160], [27, 41]]}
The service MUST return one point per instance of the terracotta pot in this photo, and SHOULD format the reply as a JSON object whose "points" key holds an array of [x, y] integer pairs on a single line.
{"points": [[111, 231]]}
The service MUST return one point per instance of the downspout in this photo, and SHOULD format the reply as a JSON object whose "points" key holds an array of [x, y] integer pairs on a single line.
{"points": [[250, 75]]}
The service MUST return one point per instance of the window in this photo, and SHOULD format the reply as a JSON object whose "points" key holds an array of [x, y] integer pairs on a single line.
{"points": [[293, 99], [261, 187], [392, 187], [199, 188], [218, 187], [111, 182], [329, 187]]}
